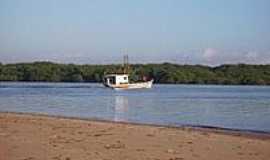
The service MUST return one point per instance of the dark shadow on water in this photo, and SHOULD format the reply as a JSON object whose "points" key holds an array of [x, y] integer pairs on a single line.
{"points": [[38, 85]]}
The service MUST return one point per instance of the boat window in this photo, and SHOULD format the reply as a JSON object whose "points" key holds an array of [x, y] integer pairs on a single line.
{"points": [[112, 80], [125, 78]]}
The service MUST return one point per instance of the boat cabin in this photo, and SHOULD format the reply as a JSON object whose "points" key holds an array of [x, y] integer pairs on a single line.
{"points": [[116, 79]]}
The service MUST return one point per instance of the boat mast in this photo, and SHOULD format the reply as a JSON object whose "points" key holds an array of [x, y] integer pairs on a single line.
{"points": [[126, 67]]}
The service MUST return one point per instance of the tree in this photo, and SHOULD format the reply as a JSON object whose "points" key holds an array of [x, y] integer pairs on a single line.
{"points": [[162, 73]]}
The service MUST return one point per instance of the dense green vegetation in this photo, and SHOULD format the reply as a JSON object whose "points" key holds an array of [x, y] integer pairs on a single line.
{"points": [[162, 73]]}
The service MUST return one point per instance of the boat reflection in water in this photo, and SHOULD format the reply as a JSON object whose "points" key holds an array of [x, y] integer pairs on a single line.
{"points": [[120, 108]]}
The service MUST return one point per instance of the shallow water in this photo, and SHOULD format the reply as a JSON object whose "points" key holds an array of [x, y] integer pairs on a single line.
{"points": [[234, 107]]}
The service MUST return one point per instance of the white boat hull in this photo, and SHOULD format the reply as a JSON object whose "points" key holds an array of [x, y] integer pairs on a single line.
{"points": [[138, 85]]}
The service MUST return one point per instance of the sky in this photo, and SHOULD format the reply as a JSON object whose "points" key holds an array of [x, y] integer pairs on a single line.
{"points": [[207, 32]]}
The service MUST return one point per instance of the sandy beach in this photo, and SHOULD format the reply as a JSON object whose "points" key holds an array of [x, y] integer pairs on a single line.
{"points": [[39, 137]]}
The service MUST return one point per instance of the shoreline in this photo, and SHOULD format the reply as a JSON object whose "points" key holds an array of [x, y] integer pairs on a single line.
{"points": [[30, 136], [199, 128], [185, 84]]}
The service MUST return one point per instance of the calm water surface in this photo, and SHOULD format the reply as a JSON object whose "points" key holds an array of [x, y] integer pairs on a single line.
{"points": [[235, 107]]}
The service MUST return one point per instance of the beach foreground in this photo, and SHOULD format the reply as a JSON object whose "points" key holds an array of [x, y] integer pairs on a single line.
{"points": [[37, 137]]}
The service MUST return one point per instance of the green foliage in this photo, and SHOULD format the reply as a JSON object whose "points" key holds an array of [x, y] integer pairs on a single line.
{"points": [[162, 73]]}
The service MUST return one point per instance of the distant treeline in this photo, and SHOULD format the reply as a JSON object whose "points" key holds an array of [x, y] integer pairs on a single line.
{"points": [[162, 73]]}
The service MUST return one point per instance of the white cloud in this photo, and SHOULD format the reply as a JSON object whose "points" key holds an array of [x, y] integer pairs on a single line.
{"points": [[213, 56], [251, 55], [210, 53], [208, 56]]}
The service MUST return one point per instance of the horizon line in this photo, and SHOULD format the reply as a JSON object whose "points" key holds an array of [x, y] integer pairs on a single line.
{"points": [[145, 63]]}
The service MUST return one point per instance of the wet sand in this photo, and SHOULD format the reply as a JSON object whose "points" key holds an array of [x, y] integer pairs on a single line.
{"points": [[39, 137]]}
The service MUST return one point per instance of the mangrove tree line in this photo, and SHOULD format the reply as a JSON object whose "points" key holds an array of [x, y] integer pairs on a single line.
{"points": [[162, 73]]}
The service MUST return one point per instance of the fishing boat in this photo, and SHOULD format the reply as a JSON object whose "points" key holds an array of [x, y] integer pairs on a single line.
{"points": [[121, 80]]}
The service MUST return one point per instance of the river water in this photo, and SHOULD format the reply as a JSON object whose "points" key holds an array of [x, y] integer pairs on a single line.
{"points": [[233, 107]]}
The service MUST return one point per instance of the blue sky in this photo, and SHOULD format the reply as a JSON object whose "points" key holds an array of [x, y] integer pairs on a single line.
{"points": [[208, 32]]}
